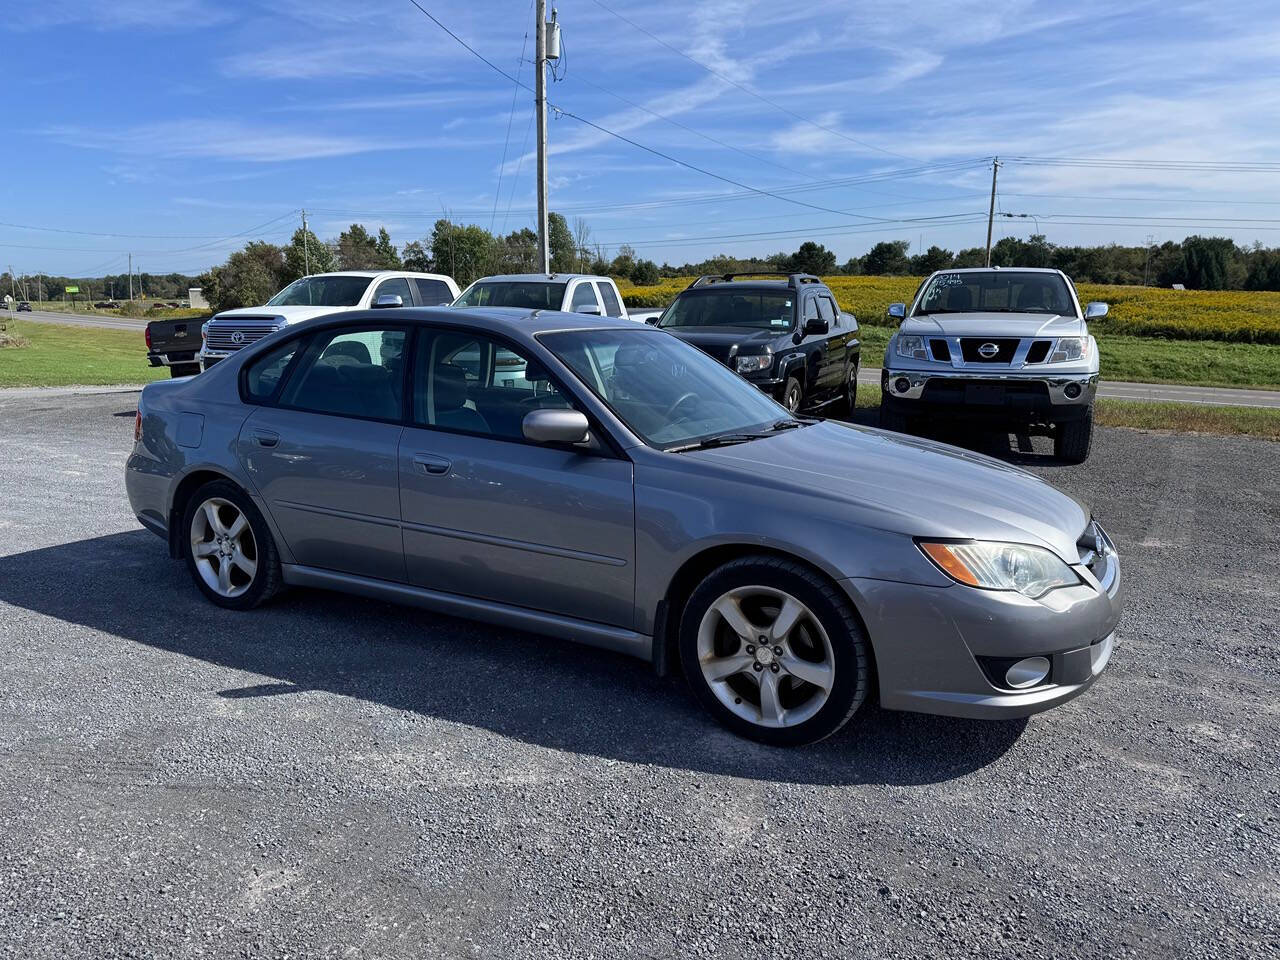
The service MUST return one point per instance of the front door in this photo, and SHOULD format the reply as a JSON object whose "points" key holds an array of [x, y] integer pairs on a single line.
{"points": [[323, 453], [490, 515]]}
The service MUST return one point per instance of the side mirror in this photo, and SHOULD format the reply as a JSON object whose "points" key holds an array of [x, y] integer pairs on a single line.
{"points": [[1096, 310], [897, 310], [389, 300], [555, 426], [816, 327], [591, 310]]}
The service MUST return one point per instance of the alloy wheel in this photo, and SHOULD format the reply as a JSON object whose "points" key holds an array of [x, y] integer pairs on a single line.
{"points": [[223, 546], [766, 656]]}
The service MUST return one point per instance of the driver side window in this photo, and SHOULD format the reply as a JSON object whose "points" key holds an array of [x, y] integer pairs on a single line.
{"points": [[584, 295], [811, 308]]}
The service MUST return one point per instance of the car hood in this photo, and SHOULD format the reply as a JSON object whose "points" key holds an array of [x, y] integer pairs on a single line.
{"points": [[909, 485], [993, 325], [288, 314]]}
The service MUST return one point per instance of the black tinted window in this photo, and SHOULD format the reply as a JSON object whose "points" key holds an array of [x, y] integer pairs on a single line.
{"points": [[354, 373], [432, 293], [826, 309], [262, 376], [725, 307], [584, 295], [530, 294], [395, 287], [612, 307]]}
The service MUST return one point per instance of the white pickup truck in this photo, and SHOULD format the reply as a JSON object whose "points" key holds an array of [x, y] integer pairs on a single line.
{"points": [[319, 295], [569, 292]]}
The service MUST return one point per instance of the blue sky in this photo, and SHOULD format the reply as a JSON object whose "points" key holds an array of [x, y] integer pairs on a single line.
{"points": [[198, 124]]}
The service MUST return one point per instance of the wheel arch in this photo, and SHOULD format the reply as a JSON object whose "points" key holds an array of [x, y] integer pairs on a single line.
{"points": [[697, 567], [191, 481]]}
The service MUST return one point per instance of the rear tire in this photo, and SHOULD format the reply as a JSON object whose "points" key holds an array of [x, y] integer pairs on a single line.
{"points": [[1073, 439], [228, 547], [774, 651]]}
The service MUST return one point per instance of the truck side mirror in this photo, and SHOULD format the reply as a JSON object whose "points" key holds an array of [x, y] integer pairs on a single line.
{"points": [[816, 327], [389, 300], [1096, 310], [897, 310]]}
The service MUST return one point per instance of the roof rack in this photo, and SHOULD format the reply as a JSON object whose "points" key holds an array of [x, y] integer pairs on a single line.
{"points": [[794, 280]]}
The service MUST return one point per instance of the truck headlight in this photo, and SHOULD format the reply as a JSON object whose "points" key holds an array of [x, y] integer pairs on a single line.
{"points": [[1070, 348], [1032, 571], [753, 364], [204, 331], [913, 347]]}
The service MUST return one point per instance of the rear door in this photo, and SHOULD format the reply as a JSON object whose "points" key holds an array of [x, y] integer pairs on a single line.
{"points": [[582, 298], [322, 448], [833, 373], [490, 515], [432, 293]]}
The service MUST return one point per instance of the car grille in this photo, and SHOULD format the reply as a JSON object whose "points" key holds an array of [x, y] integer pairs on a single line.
{"points": [[941, 352], [1097, 554], [1038, 352], [971, 349], [1032, 395], [234, 334]]}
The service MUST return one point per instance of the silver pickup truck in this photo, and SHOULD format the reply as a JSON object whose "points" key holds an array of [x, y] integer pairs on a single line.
{"points": [[1010, 347]]}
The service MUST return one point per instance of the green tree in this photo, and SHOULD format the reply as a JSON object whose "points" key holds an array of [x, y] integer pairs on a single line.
{"points": [[563, 249], [463, 252], [811, 258], [249, 278], [357, 250], [414, 257], [935, 258], [624, 262], [316, 257], [1205, 262], [388, 259], [645, 273], [888, 257]]}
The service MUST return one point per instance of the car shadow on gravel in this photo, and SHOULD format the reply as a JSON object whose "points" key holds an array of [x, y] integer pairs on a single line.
{"points": [[538, 690], [1020, 449]]}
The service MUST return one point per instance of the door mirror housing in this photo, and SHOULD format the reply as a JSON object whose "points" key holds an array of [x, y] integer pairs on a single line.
{"points": [[1096, 310], [389, 300], [816, 327], [897, 310], [591, 310], [556, 426]]}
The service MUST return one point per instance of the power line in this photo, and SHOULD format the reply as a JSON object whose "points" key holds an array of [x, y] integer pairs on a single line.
{"points": [[747, 90], [515, 94], [1215, 166], [127, 236]]}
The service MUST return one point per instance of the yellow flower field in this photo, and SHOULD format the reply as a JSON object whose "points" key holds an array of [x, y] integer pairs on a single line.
{"points": [[1233, 315]]}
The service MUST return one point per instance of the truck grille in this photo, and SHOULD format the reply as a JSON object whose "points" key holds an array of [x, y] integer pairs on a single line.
{"points": [[971, 349], [234, 334]]}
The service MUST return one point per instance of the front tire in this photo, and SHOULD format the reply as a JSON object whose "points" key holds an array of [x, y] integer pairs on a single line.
{"points": [[228, 547], [1073, 439], [774, 651], [793, 395]]}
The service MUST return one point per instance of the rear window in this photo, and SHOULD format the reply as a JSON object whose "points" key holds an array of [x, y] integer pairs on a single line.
{"points": [[432, 293], [529, 294]]}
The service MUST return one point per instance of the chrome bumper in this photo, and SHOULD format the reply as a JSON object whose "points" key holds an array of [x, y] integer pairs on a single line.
{"points": [[1059, 387]]}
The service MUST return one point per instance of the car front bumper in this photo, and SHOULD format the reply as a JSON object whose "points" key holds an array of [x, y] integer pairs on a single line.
{"points": [[942, 650], [208, 358], [1060, 396]]}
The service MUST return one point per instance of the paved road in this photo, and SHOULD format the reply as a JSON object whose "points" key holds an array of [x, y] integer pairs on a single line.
{"points": [[84, 320], [331, 776], [1119, 389]]}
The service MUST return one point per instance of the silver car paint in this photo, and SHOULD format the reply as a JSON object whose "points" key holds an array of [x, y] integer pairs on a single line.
{"points": [[552, 555]]}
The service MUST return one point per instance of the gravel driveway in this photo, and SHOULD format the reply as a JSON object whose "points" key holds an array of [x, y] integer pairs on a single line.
{"points": [[336, 777]]}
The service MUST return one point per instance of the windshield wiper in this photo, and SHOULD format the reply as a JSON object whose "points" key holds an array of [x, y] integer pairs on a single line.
{"points": [[723, 440], [787, 425]]}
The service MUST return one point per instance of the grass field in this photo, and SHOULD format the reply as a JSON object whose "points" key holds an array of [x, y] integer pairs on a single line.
{"points": [[58, 356], [1230, 315]]}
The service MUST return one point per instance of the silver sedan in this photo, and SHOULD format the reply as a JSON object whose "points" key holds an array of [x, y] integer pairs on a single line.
{"points": [[606, 483]]}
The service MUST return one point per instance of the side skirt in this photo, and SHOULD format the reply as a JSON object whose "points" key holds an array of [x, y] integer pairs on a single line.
{"points": [[470, 608]]}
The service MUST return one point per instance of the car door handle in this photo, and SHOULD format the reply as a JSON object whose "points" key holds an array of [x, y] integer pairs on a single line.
{"points": [[433, 465], [265, 438]]}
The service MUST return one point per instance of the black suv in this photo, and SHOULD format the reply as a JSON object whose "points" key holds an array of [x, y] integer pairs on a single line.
{"points": [[788, 337]]}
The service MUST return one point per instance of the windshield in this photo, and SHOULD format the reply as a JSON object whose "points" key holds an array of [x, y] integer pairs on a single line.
{"points": [[531, 294], [764, 310], [669, 393], [996, 291], [321, 292]]}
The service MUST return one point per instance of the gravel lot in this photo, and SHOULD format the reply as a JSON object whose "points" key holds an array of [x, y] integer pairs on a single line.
{"points": [[335, 777]]}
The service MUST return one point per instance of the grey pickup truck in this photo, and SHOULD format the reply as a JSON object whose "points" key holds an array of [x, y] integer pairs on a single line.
{"points": [[173, 344]]}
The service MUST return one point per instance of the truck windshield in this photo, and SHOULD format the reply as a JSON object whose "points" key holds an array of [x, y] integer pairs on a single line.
{"points": [[721, 308], [995, 291], [322, 292], [530, 294]]}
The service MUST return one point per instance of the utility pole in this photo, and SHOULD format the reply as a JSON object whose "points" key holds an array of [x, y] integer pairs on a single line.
{"points": [[991, 211], [1147, 266], [540, 100], [131, 278], [306, 256]]}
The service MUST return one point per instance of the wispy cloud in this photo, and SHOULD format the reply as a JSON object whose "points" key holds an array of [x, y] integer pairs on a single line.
{"points": [[117, 15]]}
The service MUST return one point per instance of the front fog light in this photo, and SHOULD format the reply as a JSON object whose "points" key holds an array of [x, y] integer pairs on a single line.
{"points": [[1072, 390], [1027, 673], [902, 384]]}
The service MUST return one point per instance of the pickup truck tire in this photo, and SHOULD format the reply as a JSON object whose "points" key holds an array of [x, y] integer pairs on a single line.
{"points": [[228, 547], [793, 395], [184, 369], [850, 400], [774, 651], [1072, 439]]}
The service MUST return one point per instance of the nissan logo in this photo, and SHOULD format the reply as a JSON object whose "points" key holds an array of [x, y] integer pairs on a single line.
{"points": [[238, 338], [988, 350]]}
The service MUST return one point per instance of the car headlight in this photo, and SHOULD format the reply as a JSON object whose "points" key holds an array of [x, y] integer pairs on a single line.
{"points": [[753, 364], [911, 346], [1032, 571], [204, 331], [1070, 348]]}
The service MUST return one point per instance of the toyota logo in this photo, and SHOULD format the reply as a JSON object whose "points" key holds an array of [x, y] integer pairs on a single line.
{"points": [[988, 350], [238, 338]]}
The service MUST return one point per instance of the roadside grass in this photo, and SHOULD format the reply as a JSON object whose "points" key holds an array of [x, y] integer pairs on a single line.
{"points": [[64, 356]]}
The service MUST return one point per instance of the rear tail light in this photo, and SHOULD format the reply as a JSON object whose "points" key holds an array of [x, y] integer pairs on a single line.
{"points": [[137, 426], [146, 333]]}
